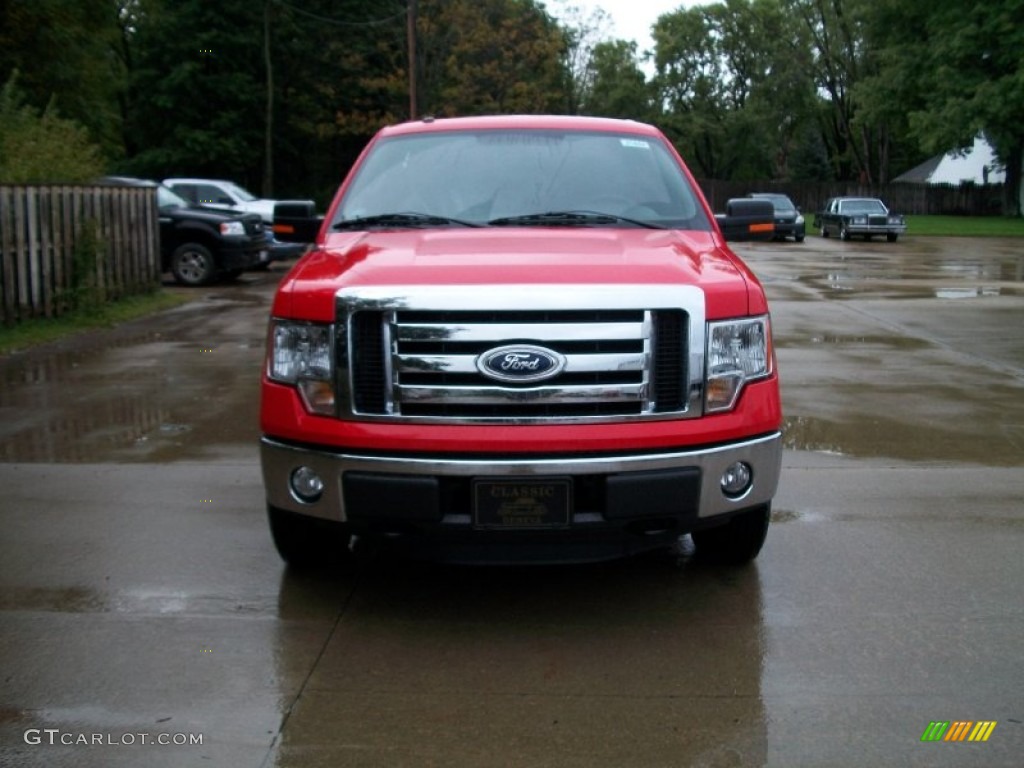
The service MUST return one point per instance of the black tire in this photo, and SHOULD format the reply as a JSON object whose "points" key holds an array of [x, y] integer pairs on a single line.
{"points": [[737, 542], [891, 237], [229, 275], [193, 264], [844, 234], [823, 231], [308, 543], [798, 238]]}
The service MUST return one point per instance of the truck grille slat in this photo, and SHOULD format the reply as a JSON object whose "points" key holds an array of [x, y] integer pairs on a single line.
{"points": [[540, 332], [498, 395]]}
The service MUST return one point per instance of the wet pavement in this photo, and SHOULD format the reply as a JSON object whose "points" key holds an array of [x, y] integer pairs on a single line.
{"points": [[141, 600]]}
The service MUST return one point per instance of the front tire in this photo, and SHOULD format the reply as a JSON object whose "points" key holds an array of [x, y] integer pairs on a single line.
{"points": [[192, 264], [737, 542], [844, 234], [891, 237], [307, 543]]}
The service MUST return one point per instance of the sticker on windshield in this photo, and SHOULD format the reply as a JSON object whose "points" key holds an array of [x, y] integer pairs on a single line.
{"points": [[635, 143]]}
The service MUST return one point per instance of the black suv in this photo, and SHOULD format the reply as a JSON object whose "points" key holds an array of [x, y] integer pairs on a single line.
{"points": [[198, 245]]}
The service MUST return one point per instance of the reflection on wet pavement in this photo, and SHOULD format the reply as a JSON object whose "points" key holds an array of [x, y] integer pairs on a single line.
{"points": [[917, 357], [159, 389]]}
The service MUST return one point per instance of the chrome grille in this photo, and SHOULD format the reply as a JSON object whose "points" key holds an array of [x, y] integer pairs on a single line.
{"points": [[416, 357]]}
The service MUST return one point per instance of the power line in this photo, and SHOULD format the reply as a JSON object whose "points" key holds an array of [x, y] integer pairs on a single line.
{"points": [[339, 22]]}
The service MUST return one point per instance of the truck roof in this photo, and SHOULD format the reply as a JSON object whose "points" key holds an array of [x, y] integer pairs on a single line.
{"points": [[533, 122]]}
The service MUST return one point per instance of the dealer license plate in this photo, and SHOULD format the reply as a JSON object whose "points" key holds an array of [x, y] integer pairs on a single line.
{"points": [[522, 504]]}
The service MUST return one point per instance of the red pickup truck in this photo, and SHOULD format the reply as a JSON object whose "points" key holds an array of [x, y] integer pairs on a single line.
{"points": [[521, 339]]}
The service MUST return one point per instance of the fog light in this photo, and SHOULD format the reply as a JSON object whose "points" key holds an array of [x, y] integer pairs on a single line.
{"points": [[736, 480], [306, 484]]}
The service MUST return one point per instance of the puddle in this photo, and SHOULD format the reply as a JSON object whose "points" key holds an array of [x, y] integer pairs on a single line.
{"points": [[784, 516], [985, 442], [909, 273], [793, 340], [967, 293], [170, 386]]}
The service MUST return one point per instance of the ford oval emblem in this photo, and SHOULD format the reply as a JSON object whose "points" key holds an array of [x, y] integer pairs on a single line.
{"points": [[520, 363]]}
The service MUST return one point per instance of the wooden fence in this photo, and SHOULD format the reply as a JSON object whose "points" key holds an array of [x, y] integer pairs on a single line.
{"points": [[908, 199], [63, 247]]}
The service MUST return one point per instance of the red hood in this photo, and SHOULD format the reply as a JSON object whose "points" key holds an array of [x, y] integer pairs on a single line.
{"points": [[518, 255]]}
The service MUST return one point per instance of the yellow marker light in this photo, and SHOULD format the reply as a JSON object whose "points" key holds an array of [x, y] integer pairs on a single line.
{"points": [[318, 395]]}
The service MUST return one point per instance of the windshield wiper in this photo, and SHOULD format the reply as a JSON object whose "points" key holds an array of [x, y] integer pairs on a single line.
{"points": [[401, 220], [570, 219]]}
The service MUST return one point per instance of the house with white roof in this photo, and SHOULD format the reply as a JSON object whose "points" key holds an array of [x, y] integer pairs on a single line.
{"points": [[977, 164]]}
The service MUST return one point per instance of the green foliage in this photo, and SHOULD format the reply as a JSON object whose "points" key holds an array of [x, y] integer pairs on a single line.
{"points": [[618, 88], [196, 89], [499, 57], [733, 81], [973, 73], [65, 53], [42, 147], [84, 294]]}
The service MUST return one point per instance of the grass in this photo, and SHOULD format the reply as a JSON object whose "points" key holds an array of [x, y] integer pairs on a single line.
{"points": [[30, 333], [965, 226]]}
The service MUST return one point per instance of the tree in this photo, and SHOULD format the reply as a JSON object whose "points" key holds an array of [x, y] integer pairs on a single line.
{"points": [[582, 36], [973, 71], [733, 84], [891, 86], [502, 56], [64, 51], [196, 86], [689, 77], [42, 147], [619, 88], [836, 33]]}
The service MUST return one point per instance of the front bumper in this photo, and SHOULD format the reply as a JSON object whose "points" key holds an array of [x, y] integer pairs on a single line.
{"points": [[240, 253], [876, 229], [663, 494], [790, 228]]}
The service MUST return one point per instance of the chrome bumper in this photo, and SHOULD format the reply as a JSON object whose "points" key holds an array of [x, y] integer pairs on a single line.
{"points": [[279, 461]]}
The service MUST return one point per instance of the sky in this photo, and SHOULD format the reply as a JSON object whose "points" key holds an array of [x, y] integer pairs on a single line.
{"points": [[632, 19]]}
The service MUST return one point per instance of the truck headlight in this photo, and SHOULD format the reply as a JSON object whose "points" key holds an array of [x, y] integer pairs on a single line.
{"points": [[236, 228], [300, 354], [738, 352]]}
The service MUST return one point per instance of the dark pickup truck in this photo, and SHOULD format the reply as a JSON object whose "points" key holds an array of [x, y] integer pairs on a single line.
{"points": [[199, 245]]}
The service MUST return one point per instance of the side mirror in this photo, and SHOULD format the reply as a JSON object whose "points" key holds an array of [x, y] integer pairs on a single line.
{"points": [[296, 221], [747, 219]]}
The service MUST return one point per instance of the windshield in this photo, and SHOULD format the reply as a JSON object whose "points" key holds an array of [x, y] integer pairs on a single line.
{"points": [[500, 176], [862, 206], [781, 203], [167, 198], [240, 193]]}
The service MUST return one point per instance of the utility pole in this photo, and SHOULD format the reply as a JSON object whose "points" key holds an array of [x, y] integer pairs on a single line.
{"points": [[268, 138], [411, 39]]}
